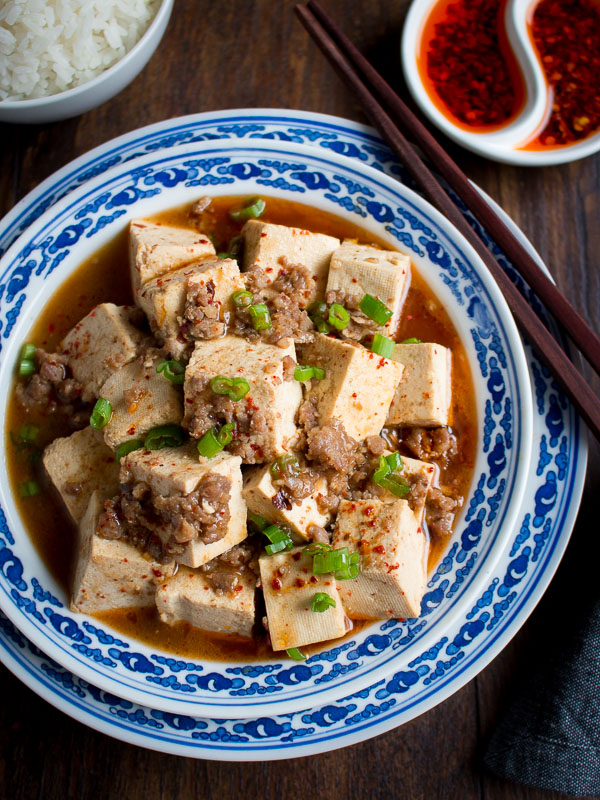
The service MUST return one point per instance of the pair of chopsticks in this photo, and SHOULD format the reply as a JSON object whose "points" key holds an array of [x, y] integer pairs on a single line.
{"points": [[392, 117]]}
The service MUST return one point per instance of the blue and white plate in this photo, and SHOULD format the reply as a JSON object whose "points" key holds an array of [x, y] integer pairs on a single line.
{"points": [[423, 662]]}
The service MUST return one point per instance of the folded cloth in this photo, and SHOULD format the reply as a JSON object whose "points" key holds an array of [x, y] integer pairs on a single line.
{"points": [[550, 735]]}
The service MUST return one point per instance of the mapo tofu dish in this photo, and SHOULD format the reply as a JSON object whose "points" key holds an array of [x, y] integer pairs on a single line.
{"points": [[243, 422]]}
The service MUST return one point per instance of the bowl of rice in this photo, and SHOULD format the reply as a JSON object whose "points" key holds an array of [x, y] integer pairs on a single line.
{"points": [[59, 58]]}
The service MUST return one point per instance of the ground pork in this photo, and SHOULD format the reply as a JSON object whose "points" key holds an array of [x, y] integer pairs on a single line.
{"points": [[53, 390], [201, 317], [331, 446], [440, 509], [430, 444], [359, 325]]}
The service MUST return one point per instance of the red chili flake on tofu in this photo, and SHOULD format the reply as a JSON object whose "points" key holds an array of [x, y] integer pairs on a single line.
{"points": [[131, 430], [296, 556], [393, 567], [300, 582], [262, 236], [354, 394], [238, 589], [276, 584], [371, 523], [157, 573], [382, 363], [368, 511], [314, 579], [379, 548]]}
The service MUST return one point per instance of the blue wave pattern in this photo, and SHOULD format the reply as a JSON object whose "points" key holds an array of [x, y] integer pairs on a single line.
{"points": [[101, 647]]}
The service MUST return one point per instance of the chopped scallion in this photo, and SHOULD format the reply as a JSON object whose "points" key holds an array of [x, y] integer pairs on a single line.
{"points": [[173, 371], [278, 538], [295, 654], [286, 464], [261, 318], [351, 571], [28, 351], [209, 445], [235, 246], [242, 298], [412, 340], [127, 447], [382, 346], [330, 561], [27, 360], [317, 547], [225, 435], [259, 522], [374, 309], [321, 602], [29, 489], [317, 312], [28, 432], [339, 317], [165, 436], [253, 209], [305, 373], [234, 388], [101, 414], [386, 475]]}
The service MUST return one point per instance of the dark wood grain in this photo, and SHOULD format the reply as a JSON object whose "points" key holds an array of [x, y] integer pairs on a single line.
{"points": [[243, 53]]}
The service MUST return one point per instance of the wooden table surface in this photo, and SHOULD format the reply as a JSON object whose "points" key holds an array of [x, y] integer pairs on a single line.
{"points": [[251, 53]]}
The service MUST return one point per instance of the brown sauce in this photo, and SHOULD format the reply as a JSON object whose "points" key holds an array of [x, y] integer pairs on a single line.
{"points": [[104, 277]]}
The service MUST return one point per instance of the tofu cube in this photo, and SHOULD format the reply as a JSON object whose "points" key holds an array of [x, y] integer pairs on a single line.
{"points": [[394, 550], [141, 399], [78, 465], [155, 249], [359, 269], [358, 386], [289, 587], [109, 573], [100, 345], [265, 245], [178, 471], [189, 596], [259, 494], [163, 299], [424, 396], [266, 415]]}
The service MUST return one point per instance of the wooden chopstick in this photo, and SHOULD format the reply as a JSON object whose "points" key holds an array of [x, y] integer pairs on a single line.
{"points": [[564, 312], [546, 347]]}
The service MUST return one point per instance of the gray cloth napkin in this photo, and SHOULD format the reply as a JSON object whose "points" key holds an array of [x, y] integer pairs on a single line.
{"points": [[550, 735]]}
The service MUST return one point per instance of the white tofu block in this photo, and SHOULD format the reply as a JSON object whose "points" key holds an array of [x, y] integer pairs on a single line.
{"points": [[159, 402], [262, 366], [267, 244], [155, 249], [358, 386], [424, 395], [394, 550], [259, 493], [80, 464], [177, 471], [288, 599], [188, 596], [99, 345], [163, 299], [359, 269], [109, 573]]}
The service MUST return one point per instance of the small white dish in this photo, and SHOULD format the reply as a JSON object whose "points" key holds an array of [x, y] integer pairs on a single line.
{"points": [[98, 90], [503, 144]]}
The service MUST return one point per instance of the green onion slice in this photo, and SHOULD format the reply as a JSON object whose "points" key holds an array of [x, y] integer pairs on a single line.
{"points": [[386, 475], [374, 309], [317, 547], [242, 298], [234, 388], [261, 318], [285, 464], [382, 346], [321, 602], [209, 445], [412, 340], [225, 435], [253, 209], [165, 436], [339, 317], [127, 447], [330, 561], [173, 371], [28, 432], [259, 522], [295, 654], [29, 488], [27, 360], [317, 312], [28, 351], [101, 414], [351, 571], [235, 246], [305, 373], [278, 538]]}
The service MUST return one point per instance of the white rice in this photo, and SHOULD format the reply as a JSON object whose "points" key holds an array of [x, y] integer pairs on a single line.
{"points": [[48, 46]]}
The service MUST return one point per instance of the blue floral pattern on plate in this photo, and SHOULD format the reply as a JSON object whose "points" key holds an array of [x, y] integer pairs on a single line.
{"points": [[558, 467]]}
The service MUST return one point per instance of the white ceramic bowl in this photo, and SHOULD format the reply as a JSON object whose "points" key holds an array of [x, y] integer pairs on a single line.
{"points": [[97, 90], [78, 224], [502, 144]]}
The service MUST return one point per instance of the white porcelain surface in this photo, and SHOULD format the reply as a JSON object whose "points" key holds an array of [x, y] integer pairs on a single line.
{"points": [[96, 91], [502, 144]]}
